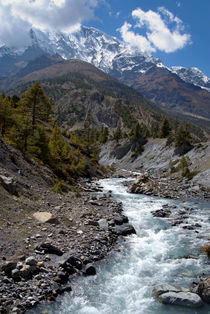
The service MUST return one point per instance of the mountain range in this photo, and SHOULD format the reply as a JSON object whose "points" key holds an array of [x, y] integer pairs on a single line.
{"points": [[176, 89]]}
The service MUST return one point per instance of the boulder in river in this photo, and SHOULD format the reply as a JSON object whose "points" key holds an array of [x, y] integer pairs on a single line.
{"points": [[188, 299], [168, 294], [124, 230], [89, 270]]}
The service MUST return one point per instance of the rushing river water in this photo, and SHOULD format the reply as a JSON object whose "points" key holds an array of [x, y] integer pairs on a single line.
{"points": [[124, 283]]}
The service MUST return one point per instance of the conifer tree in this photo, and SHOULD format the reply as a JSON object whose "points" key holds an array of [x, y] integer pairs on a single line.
{"points": [[104, 134], [59, 149], [6, 114], [117, 135], [36, 104], [165, 128], [183, 135]]}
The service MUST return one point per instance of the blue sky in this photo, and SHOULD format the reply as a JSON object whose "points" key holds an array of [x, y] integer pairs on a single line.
{"points": [[195, 17], [176, 31]]}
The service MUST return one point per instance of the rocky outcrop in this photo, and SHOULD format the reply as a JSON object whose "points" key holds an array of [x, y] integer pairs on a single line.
{"points": [[168, 294]]}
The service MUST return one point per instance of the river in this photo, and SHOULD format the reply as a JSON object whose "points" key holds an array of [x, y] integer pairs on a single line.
{"points": [[124, 282]]}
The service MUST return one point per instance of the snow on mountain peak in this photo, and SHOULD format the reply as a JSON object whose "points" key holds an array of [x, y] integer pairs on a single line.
{"points": [[192, 75], [104, 51]]}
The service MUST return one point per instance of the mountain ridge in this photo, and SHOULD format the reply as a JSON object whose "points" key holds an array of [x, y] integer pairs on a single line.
{"points": [[112, 56]]}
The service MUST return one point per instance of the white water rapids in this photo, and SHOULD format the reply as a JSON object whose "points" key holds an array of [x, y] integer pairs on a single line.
{"points": [[124, 283]]}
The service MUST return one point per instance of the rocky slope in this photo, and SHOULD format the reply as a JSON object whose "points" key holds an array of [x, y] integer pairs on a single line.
{"points": [[155, 159], [178, 96]]}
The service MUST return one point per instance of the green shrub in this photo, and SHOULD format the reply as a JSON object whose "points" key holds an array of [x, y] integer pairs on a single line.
{"points": [[60, 187]]}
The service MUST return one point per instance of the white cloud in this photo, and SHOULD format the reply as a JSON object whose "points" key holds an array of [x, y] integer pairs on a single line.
{"points": [[164, 31], [18, 16], [136, 41]]}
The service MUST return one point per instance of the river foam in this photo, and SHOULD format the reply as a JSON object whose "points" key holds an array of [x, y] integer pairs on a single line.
{"points": [[154, 255]]}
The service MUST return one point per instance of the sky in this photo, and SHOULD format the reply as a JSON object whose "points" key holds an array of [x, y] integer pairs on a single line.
{"points": [[176, 31]]}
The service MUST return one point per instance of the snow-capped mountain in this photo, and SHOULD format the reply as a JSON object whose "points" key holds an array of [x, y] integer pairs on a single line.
{"points": [[192, 75], [88, 44], [94, 46], [168, 88]]}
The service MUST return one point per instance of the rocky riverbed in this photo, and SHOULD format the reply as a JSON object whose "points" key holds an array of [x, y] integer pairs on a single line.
{"points": [[67, 237], [168, 187]]}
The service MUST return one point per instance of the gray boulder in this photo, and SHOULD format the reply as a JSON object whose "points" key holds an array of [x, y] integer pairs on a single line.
{"points": [[187, 299], [163, 288], [124, 230], [168, 294]]}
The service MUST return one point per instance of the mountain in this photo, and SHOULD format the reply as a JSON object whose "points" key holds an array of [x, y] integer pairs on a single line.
{"points": [[88, 44], [107, 53], [169, 91], [81, 90], [193, 76]]}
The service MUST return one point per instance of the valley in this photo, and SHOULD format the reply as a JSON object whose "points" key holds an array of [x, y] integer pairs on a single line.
{"points": [[89, 128]]}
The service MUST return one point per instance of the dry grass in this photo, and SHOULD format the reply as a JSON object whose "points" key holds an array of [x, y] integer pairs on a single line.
{"points": [[206, 249]]}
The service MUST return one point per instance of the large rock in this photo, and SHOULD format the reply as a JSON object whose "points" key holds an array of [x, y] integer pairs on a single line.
{"points": [[9, 184], [204, 289], [31, 261], [8, 267], [168, 294], [71, 264], [42, 217], [48, 248], [124, 230], [89, 270], [163, 288], [187, 299], [26, 272]]}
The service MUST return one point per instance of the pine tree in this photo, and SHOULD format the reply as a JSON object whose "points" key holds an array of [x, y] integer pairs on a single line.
{"points": [[20, 132], [104, 134], [183, 135], [59, 149], [35, 104], [117, 135], [6, 114], [183, 139], [165, 128]]}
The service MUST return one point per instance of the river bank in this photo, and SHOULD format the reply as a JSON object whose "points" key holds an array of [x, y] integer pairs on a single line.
{"points": [[67, 237]]}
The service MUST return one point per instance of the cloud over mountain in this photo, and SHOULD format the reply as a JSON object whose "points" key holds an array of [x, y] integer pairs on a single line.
{"points": [[18, 16], [161, 30]]}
